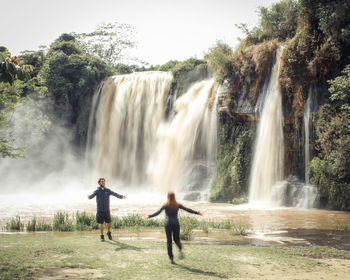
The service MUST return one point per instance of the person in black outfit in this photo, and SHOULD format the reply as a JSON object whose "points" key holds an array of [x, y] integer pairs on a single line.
{"points": [[172, 226], [103, 214]]}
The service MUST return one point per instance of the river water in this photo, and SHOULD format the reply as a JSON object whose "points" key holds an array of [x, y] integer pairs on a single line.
{"points": [[258, 220], [266, 227]]}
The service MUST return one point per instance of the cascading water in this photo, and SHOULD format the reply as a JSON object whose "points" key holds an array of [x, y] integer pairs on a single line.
{"points": [[268, 154], [185, 150], [132, 141], [307, 126], [307, 195], [127, 113]]}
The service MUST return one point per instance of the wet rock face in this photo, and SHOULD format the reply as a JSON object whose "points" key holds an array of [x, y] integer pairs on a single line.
{"points": [[192, 196], [198, 179], [185, 81]]}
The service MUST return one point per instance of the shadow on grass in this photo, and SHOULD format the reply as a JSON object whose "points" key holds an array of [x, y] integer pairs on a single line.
{"points": [[123, 246], [203, 272]]}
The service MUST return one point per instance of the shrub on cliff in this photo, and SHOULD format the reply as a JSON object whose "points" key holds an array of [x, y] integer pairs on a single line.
{"points": [[330, 169], [318, 51], [279, 22], [233, 162]]}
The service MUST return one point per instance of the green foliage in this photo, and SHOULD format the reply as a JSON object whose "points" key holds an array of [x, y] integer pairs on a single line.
{"points": [[240, 229], [10, 69], [62, 222], [38, 225], [169, 66], [334, 20], [280, 22], [340, 89], [109, 42], [134, 220], [347, 226], [15, 224], [42, 225], [220, 58], [85, 221], [31, 224], [71, 76], [183, 74], [320, 48], [245, 70], [233, 162], [12, 90], [9, 97], [180, 68], [34, 58], [330, 169], [187, 225], [121, 69]]}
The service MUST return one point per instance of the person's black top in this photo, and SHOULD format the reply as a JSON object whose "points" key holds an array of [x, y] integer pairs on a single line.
{"points": [[171, 214], [102, 198]]}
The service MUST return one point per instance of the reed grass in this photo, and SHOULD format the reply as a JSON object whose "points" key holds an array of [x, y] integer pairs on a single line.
{"points": [[82, 221], [62, 222], [15, 224], [36, 224]]}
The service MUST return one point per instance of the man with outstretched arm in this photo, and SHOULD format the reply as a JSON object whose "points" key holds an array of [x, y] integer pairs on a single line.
{"points": [[103, 214]]}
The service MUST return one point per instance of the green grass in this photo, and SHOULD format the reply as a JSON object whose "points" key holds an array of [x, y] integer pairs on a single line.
{"points": [[26, 256], [82, 221], [15, 224], [62, 222], [38, 225]]}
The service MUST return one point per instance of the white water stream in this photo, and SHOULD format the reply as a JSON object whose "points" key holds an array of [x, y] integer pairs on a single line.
{"points": [[134, 143], [267, 167], [307, 127]]}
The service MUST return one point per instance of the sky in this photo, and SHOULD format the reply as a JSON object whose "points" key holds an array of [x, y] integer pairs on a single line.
{"points": [[164, 29]]}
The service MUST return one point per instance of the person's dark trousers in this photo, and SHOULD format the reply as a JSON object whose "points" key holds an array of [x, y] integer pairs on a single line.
{"points": [[172, 231]]}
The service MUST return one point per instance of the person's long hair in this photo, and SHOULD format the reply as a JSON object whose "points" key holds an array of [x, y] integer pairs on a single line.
{"points": [[171, 201]]}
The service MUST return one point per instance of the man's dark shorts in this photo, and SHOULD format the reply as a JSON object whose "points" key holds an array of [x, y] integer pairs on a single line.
{"points": [[102, 217]]}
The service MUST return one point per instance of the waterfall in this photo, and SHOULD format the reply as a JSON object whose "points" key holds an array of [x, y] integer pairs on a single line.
{"points": [[307, 126], [127, 115], [131, 139], [186, 143], [267, 167]]}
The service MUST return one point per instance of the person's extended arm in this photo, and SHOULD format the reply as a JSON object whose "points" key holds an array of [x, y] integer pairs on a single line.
{"points": [[189, 210], [92, 195], [156, 213], [117, 194]]}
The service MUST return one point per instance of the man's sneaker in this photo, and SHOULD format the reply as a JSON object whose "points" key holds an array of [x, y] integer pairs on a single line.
{"points": [[109, 234], [102, 238]]}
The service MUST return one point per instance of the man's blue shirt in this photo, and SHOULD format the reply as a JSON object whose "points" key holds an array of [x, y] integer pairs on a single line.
{"points": [[102, 198]]}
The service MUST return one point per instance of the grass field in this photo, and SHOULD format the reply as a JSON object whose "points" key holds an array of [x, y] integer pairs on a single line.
{"points": [[80, 255]]}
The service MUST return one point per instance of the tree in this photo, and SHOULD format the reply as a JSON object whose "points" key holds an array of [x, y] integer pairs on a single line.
{"points": [[340, 89], [71, 76], [110, 42], [10, 71], [10, 68], [330, 170], [280, 21]]}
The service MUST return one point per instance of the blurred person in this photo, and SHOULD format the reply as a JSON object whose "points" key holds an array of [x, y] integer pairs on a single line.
{"points": [[172, 226], [103, 214]]}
